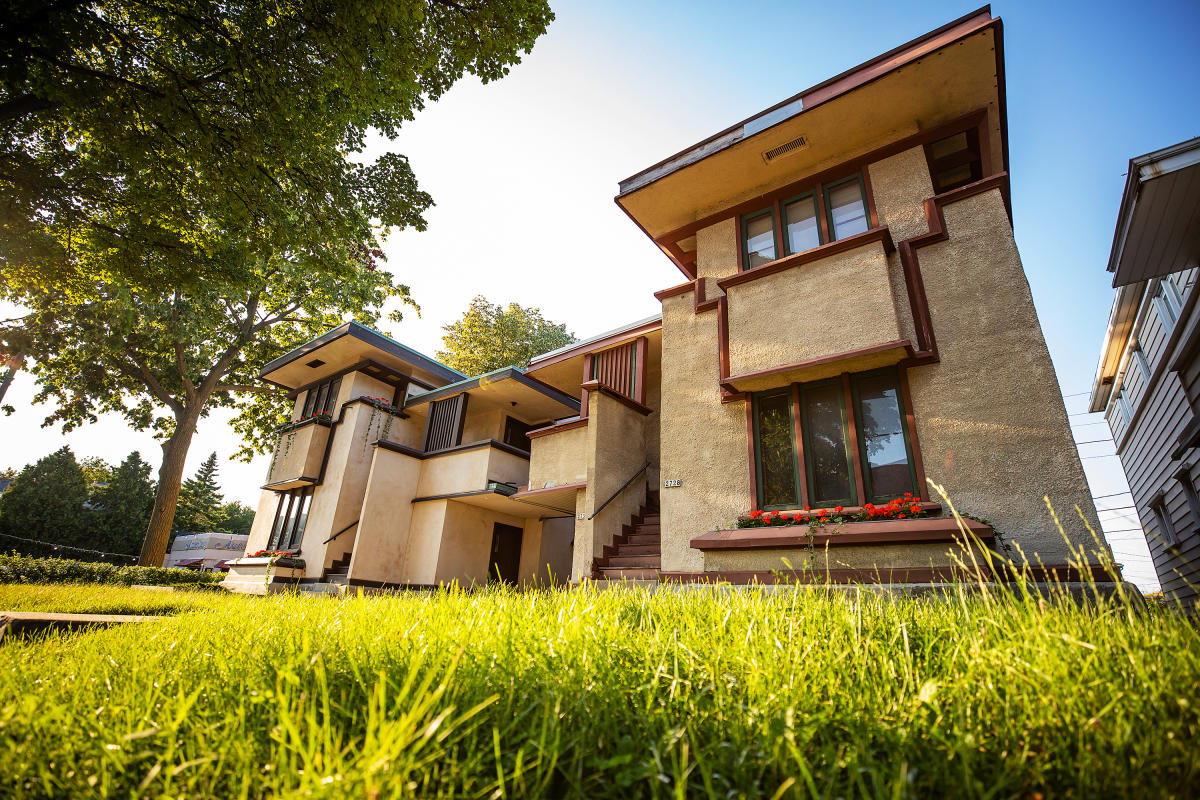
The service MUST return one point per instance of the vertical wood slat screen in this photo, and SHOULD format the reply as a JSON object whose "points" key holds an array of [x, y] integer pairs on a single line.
{"points": [[617, 368], [444, 426]]}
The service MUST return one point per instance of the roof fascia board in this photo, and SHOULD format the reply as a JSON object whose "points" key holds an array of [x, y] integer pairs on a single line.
{"points": [[368, 336], [971, 23], [629, 331]]}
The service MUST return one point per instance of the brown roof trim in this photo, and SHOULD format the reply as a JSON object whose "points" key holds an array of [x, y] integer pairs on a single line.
{"points": [[881, 235], [682, 288], [597, 386], [558, 428], [847, 534], [853, 78], [461, 448], [593, 345]]}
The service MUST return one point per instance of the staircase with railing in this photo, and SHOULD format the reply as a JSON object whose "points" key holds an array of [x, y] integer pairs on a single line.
{"points": [[635, 554]]}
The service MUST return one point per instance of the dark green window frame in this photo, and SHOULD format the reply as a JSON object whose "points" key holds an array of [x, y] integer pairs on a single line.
{"points": [[825, 229], [814, 196], [769, 211], [862, 192], [856, 456], [855, 382], [756, 400]]}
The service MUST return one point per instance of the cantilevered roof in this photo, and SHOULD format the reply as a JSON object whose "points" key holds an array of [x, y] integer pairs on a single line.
{"points": [[628, 329], [938, 78], [506, 388], [1158, 226], [347, 345]]}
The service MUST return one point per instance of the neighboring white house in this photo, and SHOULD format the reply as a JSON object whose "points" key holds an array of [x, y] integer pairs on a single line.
{"points": [[205, 551]]}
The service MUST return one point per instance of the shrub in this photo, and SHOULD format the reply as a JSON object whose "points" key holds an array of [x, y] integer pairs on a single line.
{"points": [[23, 569]]}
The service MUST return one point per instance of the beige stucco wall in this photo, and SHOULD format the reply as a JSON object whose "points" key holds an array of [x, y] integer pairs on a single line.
{"points": [[615, 440], [466, 544], [382, 538], [559, 459], [469, 470], [703, 441], [716, 254], [991, 421], [264, 516], [842, 302], [557, 543], [485, 424]]}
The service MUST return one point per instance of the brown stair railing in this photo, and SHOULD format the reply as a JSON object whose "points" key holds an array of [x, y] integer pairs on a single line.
{"points": [[624, 486], [339, 533]]}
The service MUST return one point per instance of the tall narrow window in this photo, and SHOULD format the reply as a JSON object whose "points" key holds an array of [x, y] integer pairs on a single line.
{"points": [[887, 462], [1166, 526], [847, 202], [802, 223], [826, 453], [758, 239], [321, 398], [291, 517], [775, 446]]}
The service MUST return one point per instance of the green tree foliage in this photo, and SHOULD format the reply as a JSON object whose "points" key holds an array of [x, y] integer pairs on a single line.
{"points": [[489, 337], [161, 131], [46, 502], [236, 518], [200, 500], [121, 508]]}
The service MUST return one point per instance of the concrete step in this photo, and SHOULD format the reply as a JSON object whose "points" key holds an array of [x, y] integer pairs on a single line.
{"points": [[631, 573], [633, 561], [651, 519], [326, 588], [637, 549], [643, 538], [340, 578]]}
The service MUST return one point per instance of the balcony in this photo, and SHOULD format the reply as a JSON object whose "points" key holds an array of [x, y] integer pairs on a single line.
{"points": [[559, 455], [834, 303], [470, 468], [298, 455]]}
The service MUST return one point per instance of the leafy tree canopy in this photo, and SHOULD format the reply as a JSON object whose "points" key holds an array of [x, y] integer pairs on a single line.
{"points": [[161, 132], [122, 506], [46, 501], [236, 518], [489, 337]]}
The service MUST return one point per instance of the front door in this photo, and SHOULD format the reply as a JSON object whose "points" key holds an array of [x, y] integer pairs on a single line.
{"points": [[506, 553]]}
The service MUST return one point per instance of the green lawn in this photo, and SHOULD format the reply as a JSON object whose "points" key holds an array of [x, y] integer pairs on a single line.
{"points": [[617, 694]]}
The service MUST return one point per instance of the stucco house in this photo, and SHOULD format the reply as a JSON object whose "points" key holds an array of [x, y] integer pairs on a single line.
{"points": [[854, 320], [1148, 379]]}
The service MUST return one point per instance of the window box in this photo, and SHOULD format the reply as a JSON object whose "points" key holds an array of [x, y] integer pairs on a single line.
{"points": [[922, 530]]}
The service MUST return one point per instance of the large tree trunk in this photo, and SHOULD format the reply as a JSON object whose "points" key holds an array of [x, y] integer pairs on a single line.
{"points": [[14, 364], [166, 495]]}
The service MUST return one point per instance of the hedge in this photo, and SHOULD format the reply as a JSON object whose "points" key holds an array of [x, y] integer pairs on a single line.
{"points": [[25, 569]]}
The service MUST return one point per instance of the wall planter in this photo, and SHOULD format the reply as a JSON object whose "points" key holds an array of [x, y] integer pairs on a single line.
{"points": [[262, 575], [922, 530]]}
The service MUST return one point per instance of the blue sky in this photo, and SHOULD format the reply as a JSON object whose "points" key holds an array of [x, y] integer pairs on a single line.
{"points": [[524, 170]]}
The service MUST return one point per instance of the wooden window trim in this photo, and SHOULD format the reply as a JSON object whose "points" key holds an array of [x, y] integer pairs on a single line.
{"points": [[855, 455], [825, 232], [1166, 527]]}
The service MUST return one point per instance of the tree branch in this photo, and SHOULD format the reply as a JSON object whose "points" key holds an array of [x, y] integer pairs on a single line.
{"points": [[147, 378]]}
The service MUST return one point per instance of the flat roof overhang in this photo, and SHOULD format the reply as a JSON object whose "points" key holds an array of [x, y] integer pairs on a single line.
{"points": [[558, 499], [1158, 226], [509, 389], [940, 77], [347, 345], [563, 368]]}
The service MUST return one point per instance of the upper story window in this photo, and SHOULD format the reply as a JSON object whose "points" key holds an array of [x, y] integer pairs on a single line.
{"points": [[515, 433], [954, 161], [291, 515], [321, 398], [822, 214], [834, 442]]}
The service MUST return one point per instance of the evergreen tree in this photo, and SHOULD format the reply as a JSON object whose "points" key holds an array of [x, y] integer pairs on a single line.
{"points": [[46, 502], [200, 500], [122, 506]]}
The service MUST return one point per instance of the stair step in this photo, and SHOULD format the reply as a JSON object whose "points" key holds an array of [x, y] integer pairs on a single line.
{"points": [[638, 549], [340, 578], [631, 573], [647, 529], [651, 519], [651, 561], [643, 538]]}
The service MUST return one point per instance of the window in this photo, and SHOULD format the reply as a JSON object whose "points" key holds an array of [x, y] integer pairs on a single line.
{"points": [[1162, 516], [321, 398], [290, 518], [823, 214], [852, 442], [758, 236], [444, 426], [515, 433], [954, 161], [1168, 302]]}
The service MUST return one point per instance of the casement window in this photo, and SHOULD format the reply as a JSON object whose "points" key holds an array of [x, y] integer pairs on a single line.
{"points": [[842, 441], [291, 516], [1168, 302], [1184, 476], [321, 398], [954, 161], [515, 433], [824, 213]]}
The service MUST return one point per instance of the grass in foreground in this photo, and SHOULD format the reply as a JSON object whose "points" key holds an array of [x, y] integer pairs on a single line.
{"points": [[618, 694], [86, 598]]}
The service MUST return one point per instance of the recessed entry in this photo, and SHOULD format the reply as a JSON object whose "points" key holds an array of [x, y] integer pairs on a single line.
{"points": [[316, 362]]}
